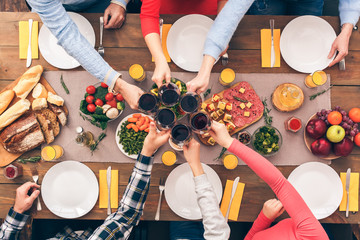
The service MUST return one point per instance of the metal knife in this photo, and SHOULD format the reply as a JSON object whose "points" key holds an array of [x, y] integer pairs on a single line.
{"points": [[272, 54], [234, 187], [161, 22], [108, 180], [29, 57], [348, 174]]}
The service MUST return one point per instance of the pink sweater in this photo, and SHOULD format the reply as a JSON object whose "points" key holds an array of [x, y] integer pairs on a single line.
{"points": [[301, 225]]}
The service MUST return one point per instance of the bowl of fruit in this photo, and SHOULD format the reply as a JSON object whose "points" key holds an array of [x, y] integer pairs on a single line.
{"points": [[266, 140], [100, 105], [329, 134]]}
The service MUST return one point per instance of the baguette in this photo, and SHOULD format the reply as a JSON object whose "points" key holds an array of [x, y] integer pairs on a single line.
{"points": [[28, 81], [14, 112], [39, 91], [39, 103], [5, 99], [55, 99]]}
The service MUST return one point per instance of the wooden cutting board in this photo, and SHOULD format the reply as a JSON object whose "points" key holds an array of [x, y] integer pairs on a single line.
{"points": [[6, 157]]}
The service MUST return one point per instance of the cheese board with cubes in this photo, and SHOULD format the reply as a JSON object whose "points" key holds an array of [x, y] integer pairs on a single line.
{"points": [[237, 108]]}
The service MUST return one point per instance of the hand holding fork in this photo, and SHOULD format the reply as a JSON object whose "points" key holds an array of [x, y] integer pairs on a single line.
{"points": [[35, 176]]}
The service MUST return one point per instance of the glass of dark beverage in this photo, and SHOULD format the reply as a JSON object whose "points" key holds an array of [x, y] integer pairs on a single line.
{"points": [[148, 103], [169, 94], [200, 122], [165, 119], [190, 102], [180, 136]]}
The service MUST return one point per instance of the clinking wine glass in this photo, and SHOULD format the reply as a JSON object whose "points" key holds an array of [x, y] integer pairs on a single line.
{"points": [[148, 103], [190, 102], [169, 94], [165, 119], [180, 135], [200, 122]]}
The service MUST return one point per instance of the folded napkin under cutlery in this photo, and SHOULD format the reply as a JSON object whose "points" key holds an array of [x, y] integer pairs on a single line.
{"points": [[353, 192], [266, 47], [103, 189], [24, 39], [236, 201], [165, 31]]}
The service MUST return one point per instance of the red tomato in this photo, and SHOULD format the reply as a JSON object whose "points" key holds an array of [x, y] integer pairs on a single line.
{"points": [[104, 85], [99, 102], [91, 89], [91, 108], [112, 103], [119, 97], [90, 99], [109, 96]]}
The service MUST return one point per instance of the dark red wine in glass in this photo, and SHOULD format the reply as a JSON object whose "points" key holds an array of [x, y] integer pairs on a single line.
{"points": [[190, 102], [169, 94], [180, 135], [148, 103], [165, 119], [200, 122]]}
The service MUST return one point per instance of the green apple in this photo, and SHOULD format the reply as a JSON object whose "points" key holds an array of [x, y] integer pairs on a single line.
{"points": [[335, 133]]}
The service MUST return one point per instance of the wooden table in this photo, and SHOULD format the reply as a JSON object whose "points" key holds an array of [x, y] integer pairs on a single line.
{"points": [[126, 46]]}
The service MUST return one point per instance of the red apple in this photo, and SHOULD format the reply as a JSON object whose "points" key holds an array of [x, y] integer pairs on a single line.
{"points": [[343, 148], [321, 147], [316, 128]]}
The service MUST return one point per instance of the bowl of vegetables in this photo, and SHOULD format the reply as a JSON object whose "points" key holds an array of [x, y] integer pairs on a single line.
{"points": [[266, 140], [100, 105]]}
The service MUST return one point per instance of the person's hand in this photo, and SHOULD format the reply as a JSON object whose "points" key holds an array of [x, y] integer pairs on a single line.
{"points": [[161, 72], [114, 16], [192, 156], [341, 44], [220, 134], [154, 140], [130, 92], [23, 201], [199, 84], [272, 209]]}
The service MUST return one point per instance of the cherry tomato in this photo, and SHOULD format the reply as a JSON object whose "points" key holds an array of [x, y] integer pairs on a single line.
{"points": [[112, 103], [104, 85], [99, 102], [109, 96], [91, 89], [119, 97], [91, 108], [90, 99]]}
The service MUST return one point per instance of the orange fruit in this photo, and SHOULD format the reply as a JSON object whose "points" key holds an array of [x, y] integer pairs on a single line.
{"points": [[354, 114], [334, 118], [357, 139]]}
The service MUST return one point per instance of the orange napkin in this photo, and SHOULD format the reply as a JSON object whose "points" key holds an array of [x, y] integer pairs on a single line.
{"points": [[236, 202], [24, 39], [165, 31], [266, 47], [103, 189], [353, 192]]}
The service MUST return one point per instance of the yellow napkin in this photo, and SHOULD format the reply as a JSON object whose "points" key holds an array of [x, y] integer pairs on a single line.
{"points": [[266, 47], [236, 202], [165, 31], [103, 195], [353, 192], [24, 39]]}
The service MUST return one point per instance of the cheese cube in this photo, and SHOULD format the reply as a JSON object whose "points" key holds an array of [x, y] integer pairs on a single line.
{"points": [[227, 117], [246, 114], [210, 107], [221, 105], [242, 90], [214, 115], [242, 105], [211, 141], [220, 112], [230, 126], [205, 135], [203, 105], [228, 106], [216, 98], [249, 104]]}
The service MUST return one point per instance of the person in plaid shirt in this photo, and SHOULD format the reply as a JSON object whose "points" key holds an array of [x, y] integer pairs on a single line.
{"points": [[117, 225]]}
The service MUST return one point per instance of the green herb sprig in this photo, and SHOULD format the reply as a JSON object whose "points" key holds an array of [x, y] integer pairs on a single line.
{"points": [[312, 97], [93, 147], [267, 117], [239, 99], [64, 85], [93, 121], [223, 150], [30, 159]]}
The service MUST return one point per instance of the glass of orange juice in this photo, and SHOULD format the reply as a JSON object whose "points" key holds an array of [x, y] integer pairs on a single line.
{"points": [[227, 76], [169, 158], [136, 72], [316, 79], [230, 161]]}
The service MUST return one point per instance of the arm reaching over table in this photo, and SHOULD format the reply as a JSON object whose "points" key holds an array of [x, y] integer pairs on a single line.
{"points": [[301, 225], [119, 224]]}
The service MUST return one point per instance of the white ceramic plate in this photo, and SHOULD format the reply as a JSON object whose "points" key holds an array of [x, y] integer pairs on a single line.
{"points": [[53, 53], [320, 187], [117, 138], [180, 191], [185, 41], [70, 189], [306, 42]]}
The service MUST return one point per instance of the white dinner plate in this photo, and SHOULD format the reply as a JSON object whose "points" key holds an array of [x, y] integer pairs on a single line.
{"points": [[117, 138], [70, 189], [320, 187], [180, 191], [306, 42], [53, 53], [185, 41]]}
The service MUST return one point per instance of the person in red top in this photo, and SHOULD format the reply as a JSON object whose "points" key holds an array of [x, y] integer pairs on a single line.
{"points": [[149, 17]]}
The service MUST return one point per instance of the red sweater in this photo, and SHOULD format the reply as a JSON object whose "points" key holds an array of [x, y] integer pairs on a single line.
{"points": [[151, 9], [301, 225]]}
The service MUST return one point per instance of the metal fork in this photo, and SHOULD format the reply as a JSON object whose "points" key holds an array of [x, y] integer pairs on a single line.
{"points": [[101, 50], [35, 176], [161, 188], [225, 59]]}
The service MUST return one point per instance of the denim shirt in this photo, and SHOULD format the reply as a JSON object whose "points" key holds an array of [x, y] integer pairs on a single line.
{"points": [[349, 11], [54, 16]]}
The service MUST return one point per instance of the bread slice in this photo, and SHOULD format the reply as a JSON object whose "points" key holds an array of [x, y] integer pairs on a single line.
{"points": [[55, 99], [23, 135], [39, 103], [60, 112], [45, 127], [39, 91], [49, 115]]}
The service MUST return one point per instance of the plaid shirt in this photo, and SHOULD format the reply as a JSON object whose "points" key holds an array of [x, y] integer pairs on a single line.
{"points": [[117, 225]]}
